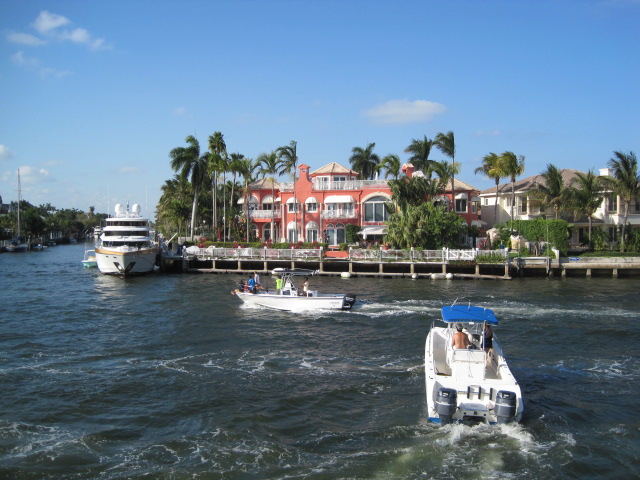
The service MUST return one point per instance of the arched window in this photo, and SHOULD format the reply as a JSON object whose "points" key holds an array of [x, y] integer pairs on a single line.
{"points": [[335, 235], [312, 232], [293, 232], [375, 210], [253, 232]]}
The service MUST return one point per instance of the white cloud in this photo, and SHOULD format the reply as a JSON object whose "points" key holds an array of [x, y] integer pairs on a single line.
{"points": [[46, 22], [34, 176], [25, 39], [5, 153], [128, 169], [19, 58], [397, 112], [488, 133]]}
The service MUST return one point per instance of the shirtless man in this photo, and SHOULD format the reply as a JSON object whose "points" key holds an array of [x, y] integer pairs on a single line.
{"points": [[460, 339]]}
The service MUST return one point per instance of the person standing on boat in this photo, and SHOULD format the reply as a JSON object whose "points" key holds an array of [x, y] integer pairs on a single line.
{"points": [[305, 286], [460, 339], [488, 338], [252, 285], [256, 279]]}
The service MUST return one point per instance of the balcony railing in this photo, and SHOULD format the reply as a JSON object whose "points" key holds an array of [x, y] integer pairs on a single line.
{"points": [[334, 214], [265, 214], [348, 185]]}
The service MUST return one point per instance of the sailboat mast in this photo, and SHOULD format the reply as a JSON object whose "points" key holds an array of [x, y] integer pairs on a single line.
{"points": [[19, 194]]}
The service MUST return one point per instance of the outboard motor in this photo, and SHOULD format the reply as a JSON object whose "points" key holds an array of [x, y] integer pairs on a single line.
{"points": [[446, 404], [505, 406], [349, 301]]}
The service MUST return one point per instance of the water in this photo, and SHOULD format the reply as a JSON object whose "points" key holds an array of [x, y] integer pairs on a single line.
{"points": [[165, 376]]}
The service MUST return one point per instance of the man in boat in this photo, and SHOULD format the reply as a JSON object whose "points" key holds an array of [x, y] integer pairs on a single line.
{"points": [[460, 339], [488, 338], [305, 286], [256, 278], [252, 285]]}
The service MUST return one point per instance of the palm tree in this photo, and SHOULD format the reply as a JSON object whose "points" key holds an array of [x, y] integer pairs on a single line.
{"points": [[490, 168], [269, 164], [626, 181], [364, 161], [173, 205], [587, 195], [288, 156], [446, 143], [191, 164], [232, 166], [420, 150], [391, 164], [553, 191], [217, 148], [247, 169], [511, 166], [445, 172]]}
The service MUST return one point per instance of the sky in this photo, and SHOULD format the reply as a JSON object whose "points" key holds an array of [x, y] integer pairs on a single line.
{"points": [[94, 95]]}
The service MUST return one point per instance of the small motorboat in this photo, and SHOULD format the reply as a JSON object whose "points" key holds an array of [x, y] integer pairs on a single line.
{"points": [[472, 384], [89, 260], [287, 296]]}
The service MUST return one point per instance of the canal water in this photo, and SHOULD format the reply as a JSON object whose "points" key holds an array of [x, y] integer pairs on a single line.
{"points": [[168, 377]]}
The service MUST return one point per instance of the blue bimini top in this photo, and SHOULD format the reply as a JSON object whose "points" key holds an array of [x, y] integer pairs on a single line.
{"points": [[468, 313]]}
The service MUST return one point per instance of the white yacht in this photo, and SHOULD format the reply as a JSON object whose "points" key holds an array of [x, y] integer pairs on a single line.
{"points": [[287, 296], [472, 384], [126, 246]]}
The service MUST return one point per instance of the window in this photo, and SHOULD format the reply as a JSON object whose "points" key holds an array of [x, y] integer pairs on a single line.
{"points": [[266, 231], [293, 207], [253, 232], [312, 232], [522, 205], [335, 235], [461, 205], [312, 207], [612, 203], [613, 234], [375, 209]]}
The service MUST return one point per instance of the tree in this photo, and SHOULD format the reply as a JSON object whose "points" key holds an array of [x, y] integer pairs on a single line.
{"points": [[414, 191], [217, 148], [233, 166], [420, 150], [445, 172], [288, 156], [553, 191], [490, 168], [625, 184], [511, 166], [587, 195], [391, 164], [173, 205], [247, 169], [190, 164], [426, 226], [364, 161], [269, 164], [446, 143]]}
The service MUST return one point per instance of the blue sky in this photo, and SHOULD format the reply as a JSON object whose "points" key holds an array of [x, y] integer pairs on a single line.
{"points": [[94, 95]]}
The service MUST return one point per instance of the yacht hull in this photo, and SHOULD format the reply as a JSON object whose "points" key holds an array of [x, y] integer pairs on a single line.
{"points": [[126, 262]]}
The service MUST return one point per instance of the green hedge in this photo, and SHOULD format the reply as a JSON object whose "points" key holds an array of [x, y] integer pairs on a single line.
{"points": [[536, 231]]}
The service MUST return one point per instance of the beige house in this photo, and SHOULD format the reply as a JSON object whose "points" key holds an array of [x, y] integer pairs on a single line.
{"points": [[609, 216]]}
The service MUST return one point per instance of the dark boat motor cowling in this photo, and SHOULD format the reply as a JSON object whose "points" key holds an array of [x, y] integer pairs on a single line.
{"points": [[349, 301], [446, 404], [505, 406]]}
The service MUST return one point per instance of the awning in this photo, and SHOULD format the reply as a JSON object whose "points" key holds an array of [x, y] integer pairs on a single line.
{"points": [[279, 199], [252, 199], [267, 199], [442, 198], [475, 199], [478, 223], [373, 230], [461, 196], [292, 200], [311, 200], [339, 199], [468, 314], [312, 226]]}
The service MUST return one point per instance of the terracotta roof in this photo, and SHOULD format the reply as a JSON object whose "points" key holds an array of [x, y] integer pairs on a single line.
{"points": [[265, 183], [333, 167], [528, 183]]}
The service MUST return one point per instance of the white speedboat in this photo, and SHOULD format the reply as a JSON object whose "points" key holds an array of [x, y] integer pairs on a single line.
{"points": [[126, 246], [89, 260], [288, 297], [469, 384]]}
